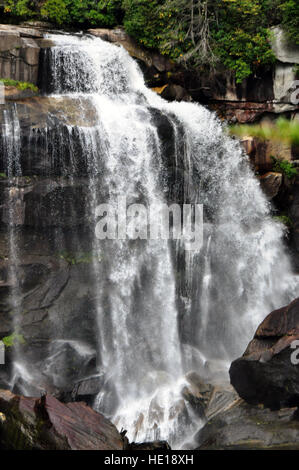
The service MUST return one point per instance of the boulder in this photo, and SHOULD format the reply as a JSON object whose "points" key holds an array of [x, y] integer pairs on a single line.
{"points": [[87, 389], [239, 426], [267, 372], [197, 393], [47, 424], [174, 92], [155, 446], [271, 183]]}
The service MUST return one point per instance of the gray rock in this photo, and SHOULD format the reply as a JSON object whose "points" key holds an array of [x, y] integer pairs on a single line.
{"points": [[283, 49], [240, 426]]}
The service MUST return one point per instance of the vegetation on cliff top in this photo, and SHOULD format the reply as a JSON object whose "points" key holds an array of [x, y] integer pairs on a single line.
{"points": [[197, 33], [281, 130]]}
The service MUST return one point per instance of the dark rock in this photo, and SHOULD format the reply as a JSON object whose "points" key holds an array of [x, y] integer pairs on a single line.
{"points": [[174, 92], [87, 389], [266, 373], [46, 424], [239, 426], [12, 93], [197, 393], [271, 184], [156, 446]]}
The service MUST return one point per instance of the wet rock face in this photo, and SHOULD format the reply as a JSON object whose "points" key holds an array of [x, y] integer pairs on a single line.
{"points": [[53, 306], [266, 373], [50, 137], [52, 228]]}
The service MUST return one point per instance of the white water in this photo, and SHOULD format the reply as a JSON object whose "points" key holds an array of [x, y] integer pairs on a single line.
{"points": [[146, 342]]}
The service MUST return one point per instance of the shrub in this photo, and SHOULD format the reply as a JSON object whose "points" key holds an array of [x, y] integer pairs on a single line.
{"points": [[285, 167], [290, 19]]}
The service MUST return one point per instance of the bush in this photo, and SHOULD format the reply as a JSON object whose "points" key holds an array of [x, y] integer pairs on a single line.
{"points": [[285, 167], [25, 9], [55, 11], [290, 19], [67, 12], [284, 219]]}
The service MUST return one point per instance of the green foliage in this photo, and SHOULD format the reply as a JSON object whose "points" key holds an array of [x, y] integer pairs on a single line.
{"points": [[231, 33], [19, 85], [13, 339], [78, 258], [96, 13], [21, 8], [67, 12], [284, 219], [285, 167], [290, 19], [282, 130], [144, 22], [55, 11], [242, 36]]}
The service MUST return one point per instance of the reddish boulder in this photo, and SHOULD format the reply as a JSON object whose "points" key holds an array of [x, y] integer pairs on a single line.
{"points": [[47, 424]]}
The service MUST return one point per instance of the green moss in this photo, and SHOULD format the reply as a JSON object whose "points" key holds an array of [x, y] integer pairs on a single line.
{"points": [[13, 339], [284, 219], [20, 85], [78, 258]]}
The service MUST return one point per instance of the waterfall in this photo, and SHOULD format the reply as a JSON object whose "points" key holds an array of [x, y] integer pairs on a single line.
{"points": [[160, 310]]}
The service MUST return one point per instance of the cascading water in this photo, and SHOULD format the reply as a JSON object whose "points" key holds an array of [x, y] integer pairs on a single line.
{"points": [[160, 310]]}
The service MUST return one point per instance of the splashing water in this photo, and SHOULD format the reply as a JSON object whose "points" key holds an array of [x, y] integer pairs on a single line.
{"points": [[162, 310]]}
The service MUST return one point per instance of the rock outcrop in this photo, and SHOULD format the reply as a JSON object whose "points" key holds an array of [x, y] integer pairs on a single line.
{"points": [[239, 426], [267, 373], [19, 53], [271, 183]]}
